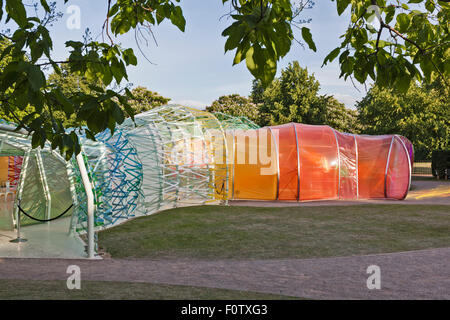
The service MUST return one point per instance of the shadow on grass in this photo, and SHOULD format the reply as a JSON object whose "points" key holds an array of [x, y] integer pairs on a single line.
{"points": [[57, 290]]}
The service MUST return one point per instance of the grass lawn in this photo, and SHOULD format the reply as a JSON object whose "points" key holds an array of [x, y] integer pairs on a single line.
{"points": [[222, 232], [57, 290]]}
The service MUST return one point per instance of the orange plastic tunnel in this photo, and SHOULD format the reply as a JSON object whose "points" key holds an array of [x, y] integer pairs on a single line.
{"points": [[302, 162]]}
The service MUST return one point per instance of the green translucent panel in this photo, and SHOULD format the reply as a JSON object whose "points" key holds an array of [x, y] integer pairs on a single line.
{"points": [[230, 122], [58, 184], [169, 156], [33, 196], [10, 150]]}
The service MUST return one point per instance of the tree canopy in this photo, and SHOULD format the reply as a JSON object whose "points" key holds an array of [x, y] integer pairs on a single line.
{"points": [[294, 97], [236, 106], [395, 42], [422, 114], [411, 42], [73, 84]]}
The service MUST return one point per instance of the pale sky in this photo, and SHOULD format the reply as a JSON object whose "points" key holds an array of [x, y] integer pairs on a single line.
{"points": [[191, 67]]}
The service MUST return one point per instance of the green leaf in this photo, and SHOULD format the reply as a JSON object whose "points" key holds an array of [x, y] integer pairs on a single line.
{"points": [[16, 11], [261, 65], [36, 139], [342, 5], [129, 57], [331, 56], [44, 4], [67, 146], [430, 6], [36, 77], [66, 103], [235, 37], [241, 52], [1, 9], [403, 21], [306, 34], [113, 10], [390, 12], [251, 63], [403, 82], [177, 18], [117, 114]]}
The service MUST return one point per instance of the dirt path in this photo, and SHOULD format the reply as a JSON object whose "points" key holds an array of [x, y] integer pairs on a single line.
{"points": [[421, 274]]}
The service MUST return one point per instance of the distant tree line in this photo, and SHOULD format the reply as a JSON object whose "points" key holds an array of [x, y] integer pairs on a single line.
{"points": [[293, 97], [422, 113]]}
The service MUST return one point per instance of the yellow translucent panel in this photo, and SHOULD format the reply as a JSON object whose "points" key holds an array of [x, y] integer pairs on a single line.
{"points": [[256, 165], [3, 169]]}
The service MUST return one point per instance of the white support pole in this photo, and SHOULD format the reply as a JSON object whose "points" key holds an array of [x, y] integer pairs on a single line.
{"points": [[90, 204], [298, 162], [387, 167], [338, 162], [73, 193], [356, 158], [23, 174], [274, 139], [234, 165], [409, 165]]}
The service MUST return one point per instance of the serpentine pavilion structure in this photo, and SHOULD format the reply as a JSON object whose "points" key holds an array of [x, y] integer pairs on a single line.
{"points": [[174, 156]]}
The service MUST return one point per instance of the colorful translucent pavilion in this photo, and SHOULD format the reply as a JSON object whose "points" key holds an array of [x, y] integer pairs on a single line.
{"points": [[177, 156]]}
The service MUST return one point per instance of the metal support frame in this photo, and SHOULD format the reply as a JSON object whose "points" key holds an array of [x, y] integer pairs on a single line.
{"points": [[23, 174], [387, 167], [234, 166], [409, 165], [90, 205], [70, 176], [278, 163], [19, 239], [356, 162], [298, 162], [339, 162]]}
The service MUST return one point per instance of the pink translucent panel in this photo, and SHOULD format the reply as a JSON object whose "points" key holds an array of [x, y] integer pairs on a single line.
{"points": [[372, 159], [287, 151], [318, 162], [348, 188]]}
